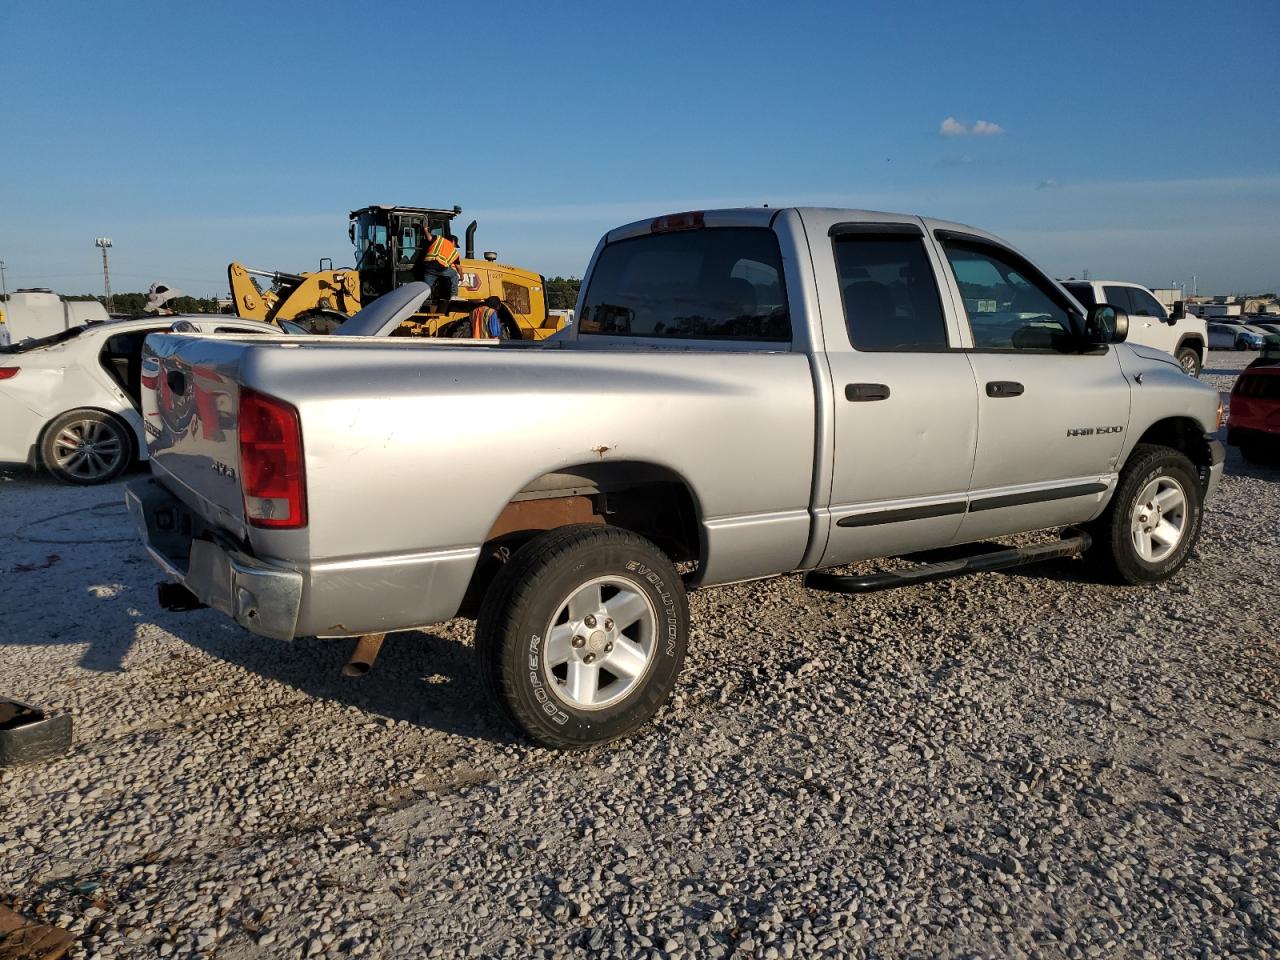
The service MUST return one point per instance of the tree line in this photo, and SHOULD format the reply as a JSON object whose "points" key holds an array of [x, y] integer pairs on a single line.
{"points": [[562, 294]]}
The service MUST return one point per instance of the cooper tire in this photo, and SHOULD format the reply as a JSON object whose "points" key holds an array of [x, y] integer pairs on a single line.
{"points": [[86, 447], [1189, 360], [1158, 493], [530, 635]]}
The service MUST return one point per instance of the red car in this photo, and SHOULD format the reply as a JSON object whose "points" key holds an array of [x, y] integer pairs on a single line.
{"points": [[1253, 423]]}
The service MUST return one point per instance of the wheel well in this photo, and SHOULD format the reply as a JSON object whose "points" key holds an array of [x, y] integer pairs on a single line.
{"points": [[125, 425], [1190, 340], [1185, 435], [651, 501]]}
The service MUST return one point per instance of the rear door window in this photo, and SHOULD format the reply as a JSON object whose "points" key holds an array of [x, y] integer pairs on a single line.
{"points": [[716, 283], [889, 292], [1119, 297]]}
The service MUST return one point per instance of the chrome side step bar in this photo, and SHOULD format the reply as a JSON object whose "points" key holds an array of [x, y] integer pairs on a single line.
{"points": [[1073, 543]]}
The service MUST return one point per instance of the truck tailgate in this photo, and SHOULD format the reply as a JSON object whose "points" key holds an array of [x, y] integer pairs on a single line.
{"points": [[190, 406]]}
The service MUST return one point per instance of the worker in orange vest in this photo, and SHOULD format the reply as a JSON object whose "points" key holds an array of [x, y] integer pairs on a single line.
{"points": [[437, 264], [486, 324]]}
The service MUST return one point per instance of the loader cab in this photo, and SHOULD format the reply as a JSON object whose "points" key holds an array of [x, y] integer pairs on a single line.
{"points": [[388, 240]]}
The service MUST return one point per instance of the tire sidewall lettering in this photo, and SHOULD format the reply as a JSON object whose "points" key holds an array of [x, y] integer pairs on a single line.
{"points": [[670, 615]]}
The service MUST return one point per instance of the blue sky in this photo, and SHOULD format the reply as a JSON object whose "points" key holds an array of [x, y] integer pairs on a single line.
{"points": [[1138, 140]]}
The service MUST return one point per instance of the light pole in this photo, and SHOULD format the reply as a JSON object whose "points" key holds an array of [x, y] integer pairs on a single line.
{"points": [[105, 244], [4, 287]]}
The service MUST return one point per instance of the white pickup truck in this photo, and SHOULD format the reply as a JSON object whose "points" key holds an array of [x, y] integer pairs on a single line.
{"points": [[745, 393], [1176, 332]]}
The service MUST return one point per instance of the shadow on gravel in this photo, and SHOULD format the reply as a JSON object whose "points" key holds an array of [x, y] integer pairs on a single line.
{"points": [[419, 677]]}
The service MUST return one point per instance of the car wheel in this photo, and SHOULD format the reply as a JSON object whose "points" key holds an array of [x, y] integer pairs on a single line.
{"points": [[1189, 360], [86, 447], [1151, 525], [582, 634]]}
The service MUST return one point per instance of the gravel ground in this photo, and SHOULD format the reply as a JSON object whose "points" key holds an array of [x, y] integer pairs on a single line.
{"points": [[1007, 765]]}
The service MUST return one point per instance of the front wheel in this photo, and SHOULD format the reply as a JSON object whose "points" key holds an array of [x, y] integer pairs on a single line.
{"points": [[1150, 527], [582, 635], [1189, 361]]}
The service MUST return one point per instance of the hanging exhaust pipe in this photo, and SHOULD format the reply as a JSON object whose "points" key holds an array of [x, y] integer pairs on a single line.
{"points": [[471, 240], [363, 655]]}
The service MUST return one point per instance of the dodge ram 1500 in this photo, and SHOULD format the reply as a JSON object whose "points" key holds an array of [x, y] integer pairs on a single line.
{"points": [[745, 393]]}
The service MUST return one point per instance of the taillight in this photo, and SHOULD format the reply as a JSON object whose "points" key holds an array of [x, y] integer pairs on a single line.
{"points": [[678, 221], [271, 469], [8, 373], [1221, 413]]}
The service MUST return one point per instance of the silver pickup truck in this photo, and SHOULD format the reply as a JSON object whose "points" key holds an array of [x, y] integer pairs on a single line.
{"points": [[745, 393]]}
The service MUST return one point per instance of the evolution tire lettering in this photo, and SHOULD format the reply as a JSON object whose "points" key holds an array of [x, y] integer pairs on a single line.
{"points": [[668, 603]]}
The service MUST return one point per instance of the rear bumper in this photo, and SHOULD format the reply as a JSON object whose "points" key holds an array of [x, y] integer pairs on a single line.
{"points": [[262, 598], [326, 598]]}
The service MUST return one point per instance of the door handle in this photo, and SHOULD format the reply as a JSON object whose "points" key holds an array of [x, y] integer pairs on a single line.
{"points": [[862, 392], [1004, 388]]}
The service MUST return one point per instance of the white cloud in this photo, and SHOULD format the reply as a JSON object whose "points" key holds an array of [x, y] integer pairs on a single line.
{"points": [[1049, 184], [951, 127]]}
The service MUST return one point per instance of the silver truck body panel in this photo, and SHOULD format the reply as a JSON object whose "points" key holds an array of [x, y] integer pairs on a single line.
{"points": [[414, 448]]}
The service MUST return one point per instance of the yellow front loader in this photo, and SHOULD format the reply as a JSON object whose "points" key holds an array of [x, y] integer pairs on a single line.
{"points": [[387, 241]]}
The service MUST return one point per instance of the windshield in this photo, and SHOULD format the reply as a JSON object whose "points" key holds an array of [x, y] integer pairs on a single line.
{"points": [[371, 242]]}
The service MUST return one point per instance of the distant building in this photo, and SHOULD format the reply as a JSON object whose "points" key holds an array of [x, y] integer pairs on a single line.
{"points": [[1167, 296], [1217, 311]]}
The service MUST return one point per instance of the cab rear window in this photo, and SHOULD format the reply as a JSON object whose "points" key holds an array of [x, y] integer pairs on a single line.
{"points": [[719, 283], [1082, 292]]}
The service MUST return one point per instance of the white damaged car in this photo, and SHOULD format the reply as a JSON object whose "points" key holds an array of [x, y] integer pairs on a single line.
{"points": [[69, 401]]}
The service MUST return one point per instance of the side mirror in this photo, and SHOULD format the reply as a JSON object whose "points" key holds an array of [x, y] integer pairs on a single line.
{"points": [[1179, 311], [1106, 324]]}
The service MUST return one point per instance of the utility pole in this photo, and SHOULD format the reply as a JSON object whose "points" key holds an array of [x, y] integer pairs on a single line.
{"points": [[4, 287], [105, 244]]}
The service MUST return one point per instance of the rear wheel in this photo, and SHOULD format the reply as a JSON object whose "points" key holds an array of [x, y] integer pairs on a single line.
{"points": [[86, 447], [1189, 360], [582, 635], [1151, 525]]}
